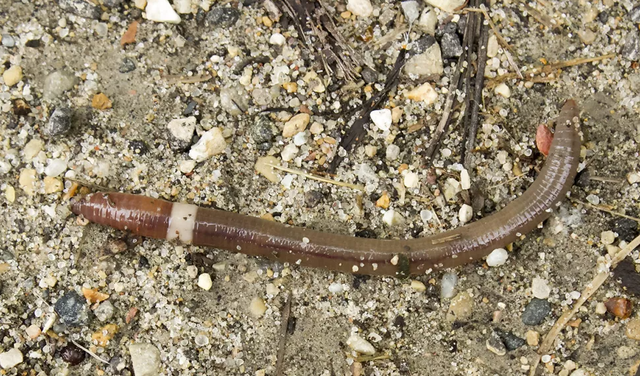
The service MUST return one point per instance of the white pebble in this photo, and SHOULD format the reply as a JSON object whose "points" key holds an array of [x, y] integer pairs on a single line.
{"points": [[393, 218], [204, 281], [498, 257], [361, 8], [289, 152], [418, 286], [31, 149], [360, 345], [607, 237], [593, 199], [492, 46], [426, 215], [182, 129], [411, 10], [428, 20], [448, 285], [10, 359], [277, 39], [161, 11], [257, 308], [55, 167], [503, 90], [336, 288], [411, 180], [186, 166], [300, 139], [465, 214], [263, 167], [446, 5], [145, 358], [393, 151], [382, 118], [540, 288], [287, 181], [211, 143], [633, 177], [182, 6], [423, 93], [465, 179]]}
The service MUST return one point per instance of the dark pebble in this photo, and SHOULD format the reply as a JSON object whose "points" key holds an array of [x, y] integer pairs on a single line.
{"points": [[21, 108], [631, 47], [536, 312], [603, 17], [366, 233], [191, 106], [33, 43], [127, 65], [462, 24], [143, 262], [495, 344], [6, 255], [448, 28], [72, 354], [222, 16], [369, 75], [627, 229], [583, 179], [262, 130], [80, 8], [138, 147], [313, 198], [450, 46], [59, 122], [628, 277], [72, 309], [422, 44], [511, 341], [634, 14]]}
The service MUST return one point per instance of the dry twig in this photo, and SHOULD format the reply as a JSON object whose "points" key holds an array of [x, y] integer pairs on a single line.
{"points": [[316, 177], [284, 323]]}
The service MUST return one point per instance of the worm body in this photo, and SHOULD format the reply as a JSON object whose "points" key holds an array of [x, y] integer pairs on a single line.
{"points": [[254, 236]]}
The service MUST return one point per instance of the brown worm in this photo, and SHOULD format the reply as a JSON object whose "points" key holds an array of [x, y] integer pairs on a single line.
{"points": [[190, 224]]}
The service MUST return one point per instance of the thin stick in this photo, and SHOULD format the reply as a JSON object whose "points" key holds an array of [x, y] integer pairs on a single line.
{"points": [[284, 323], [468, 46], [89, 352], [601, 208], [316, 177], [606, 179], [603, 271]]}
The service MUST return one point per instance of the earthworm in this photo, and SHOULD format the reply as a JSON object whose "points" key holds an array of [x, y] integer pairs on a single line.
{"points": [[190, 224]]}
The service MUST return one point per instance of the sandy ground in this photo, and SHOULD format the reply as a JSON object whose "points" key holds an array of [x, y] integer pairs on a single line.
{"points": [[234, 328]]}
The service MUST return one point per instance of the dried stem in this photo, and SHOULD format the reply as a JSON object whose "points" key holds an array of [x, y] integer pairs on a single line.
{"points": [[316, 177]]}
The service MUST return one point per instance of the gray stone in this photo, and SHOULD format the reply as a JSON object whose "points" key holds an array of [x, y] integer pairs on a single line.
{"points": [[111, 3], [511, 341], [145, 358], [81, 8], [263, 131], [411, 10], [222, 17], [8, 41], [495, 345], [72, 309], [104, 311], [450, 45], [631, 47], [127, 65], [234, 100], [422, 44], [536, 311], [56, 83], [59, 122], [634, 14], [427, 63]]}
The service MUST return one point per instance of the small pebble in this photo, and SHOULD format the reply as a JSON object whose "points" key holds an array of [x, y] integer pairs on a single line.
{"points": [[211, 143], [418, 286], [277, 39], [300, 139], [427, 63], [10, 194], [392, 152], [535, 312], [393, 218], [607, 237], [631, 46], [201, 340], [186, 166], [411, 10], [465, 179], [182, 6], [105, 311], [72, 354], [127, 65], [465, 214], [428, 21], [72, 309], [633, 329], [511, 341], [634, 14], [10, 359], [540, 288], [263, 168], [580, 372], [145, 358], [497, 257], [503, 90], [204, 281], [492, 46], [361, 8], [59, 122], [360, 345], [601, 309], [56, 83], [257, 308], [81, 8], [161, 11], [33, 331], [316, 128], [460, 308], [586, 36], [27, 181], [626, 352], [619, 307], [446, 5], [222, 16], [426, 215], [411, 180], [12, 75], [533, 338], [382, 119], [289, 152], [450, 45], [8, 41], [424, 93], [495, 345], [296, 125], [448, 285], [31, 149], [336, 288], [181, 131], [633, 177]]}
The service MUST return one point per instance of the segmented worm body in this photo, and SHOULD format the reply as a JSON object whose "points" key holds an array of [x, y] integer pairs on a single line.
{"points": [[254, 236]]}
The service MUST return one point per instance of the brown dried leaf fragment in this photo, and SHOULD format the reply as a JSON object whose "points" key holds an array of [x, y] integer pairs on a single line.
{"points": [[130, 35]]}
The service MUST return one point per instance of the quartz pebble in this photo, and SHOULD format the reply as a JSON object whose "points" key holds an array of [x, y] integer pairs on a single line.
{"points": [[601, 308], [540, 288], [382, 119], [295, 125], [161, 11], [532, 337], [461, 307], [448, 285], [633, 329], [81, 8], [257, 308], [181, 131], [633, 177], [361, 8], [27, 181], [59, 122], [392, 152], [465, 214], [492, 46], [418, 286], [427, 63], [497, 257], [535, 312], [607, 237], [289, 152], [204, 281], [105, 311], [465, 179], [56, 83], [33, 331], [446, 5], [360, 345], [145, 358], [626, 352], [182, 6], [411, 180], [277, 39], [428, 21], [186, 166], [316, 128], [52, 185], [424, 93], [12, 75], [211, 143], [393, 218], [503, 90], [11, 358], [31, 149], [411, 10]]}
